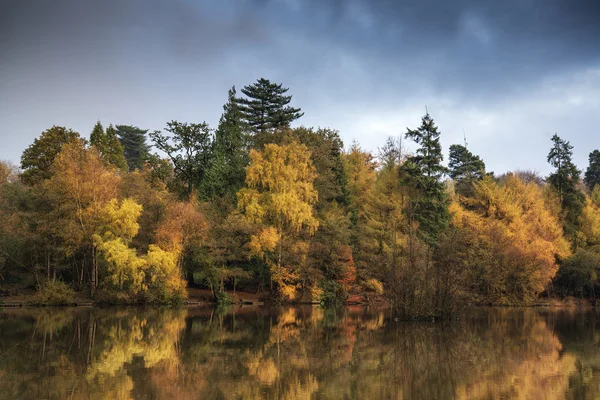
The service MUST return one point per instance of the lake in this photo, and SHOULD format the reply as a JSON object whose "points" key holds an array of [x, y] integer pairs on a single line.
{"points": [[296, 353]]}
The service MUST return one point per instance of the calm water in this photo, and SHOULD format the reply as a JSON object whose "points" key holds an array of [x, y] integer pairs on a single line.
{"points": [[296, 353]]}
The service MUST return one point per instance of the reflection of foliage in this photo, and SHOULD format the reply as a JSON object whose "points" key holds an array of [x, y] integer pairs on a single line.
{"points": [[295, 353]]}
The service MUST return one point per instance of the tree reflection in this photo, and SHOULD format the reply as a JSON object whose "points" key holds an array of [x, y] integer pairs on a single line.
{"points": [[295, 353]]}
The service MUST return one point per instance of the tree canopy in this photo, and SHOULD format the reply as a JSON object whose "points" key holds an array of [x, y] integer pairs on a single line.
{"points": [[266, 106]]}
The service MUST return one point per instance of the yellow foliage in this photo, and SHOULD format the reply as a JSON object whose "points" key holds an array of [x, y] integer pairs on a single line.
{"points": [[590, 223], [514, 234], [164, 273], [124, 266], [374, 285], [266, 240], [280, 197], [286, 280], [280, 187], [121, 220]]}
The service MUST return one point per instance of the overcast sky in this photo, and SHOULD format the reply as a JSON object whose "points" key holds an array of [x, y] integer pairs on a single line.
{"points": [[509, 73]]}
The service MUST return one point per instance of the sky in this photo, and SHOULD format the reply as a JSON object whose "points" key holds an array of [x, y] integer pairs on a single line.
{"points": [[507, 74]]}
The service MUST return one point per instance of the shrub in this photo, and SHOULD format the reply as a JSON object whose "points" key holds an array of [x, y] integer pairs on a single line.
{"points": [[374, 285], [224, 299], [332, 293], [54, 293]]}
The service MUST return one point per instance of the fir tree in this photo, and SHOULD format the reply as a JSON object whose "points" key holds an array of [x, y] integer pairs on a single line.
{"points": [[465, 168], [114, 153], [230, 154], [592, 174], [98, 136], [134, 144], [108, 145], [423, 172], [266, 106], [564, 181]]}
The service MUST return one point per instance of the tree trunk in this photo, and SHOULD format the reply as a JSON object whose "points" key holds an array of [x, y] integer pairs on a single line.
{"points": [[94, 273]]}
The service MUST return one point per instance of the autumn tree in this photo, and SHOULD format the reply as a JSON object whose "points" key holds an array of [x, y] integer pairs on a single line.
{"points": [[423, 172], [189, 148], [37, 159], [79, 188], [360, 168], [564, 181], [266, 106], [280, 199], [513, 241], [113, 237], [135, 148]]}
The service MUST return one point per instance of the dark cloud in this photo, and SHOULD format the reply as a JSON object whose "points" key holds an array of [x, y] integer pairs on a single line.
{"points": [[476, 46], [367, 67]]}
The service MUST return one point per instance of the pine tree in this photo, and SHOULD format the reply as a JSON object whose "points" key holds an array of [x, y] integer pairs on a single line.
{"points": [[230, 154], [465, 168], [266, 106], [564, 181], [134, 144], [423, 172], [592, 174]]}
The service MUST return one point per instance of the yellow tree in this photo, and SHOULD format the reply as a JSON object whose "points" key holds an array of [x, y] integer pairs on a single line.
{"points": [[80, 186], [361, 171], [514, 240], [280, 198], [119, 227]]}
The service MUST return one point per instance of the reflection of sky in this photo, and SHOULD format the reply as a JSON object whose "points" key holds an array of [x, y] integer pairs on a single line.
{"points": [[510, 73]]}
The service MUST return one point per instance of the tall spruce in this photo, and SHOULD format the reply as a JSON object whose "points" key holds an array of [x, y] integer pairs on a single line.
{"points": [[266, 106], [592, 174], [226, 174], [423, 172], [564, 181], [134, 144], [465, 169]]}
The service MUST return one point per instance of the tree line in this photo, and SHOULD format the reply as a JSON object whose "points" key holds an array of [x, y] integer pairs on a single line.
{"points": [[257, 205]]}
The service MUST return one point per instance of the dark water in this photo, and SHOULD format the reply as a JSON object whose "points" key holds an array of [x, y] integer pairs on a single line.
{"points": [[296, 353]]}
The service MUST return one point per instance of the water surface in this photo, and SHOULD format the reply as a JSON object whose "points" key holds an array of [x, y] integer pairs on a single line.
{"points": [[296, 353]]}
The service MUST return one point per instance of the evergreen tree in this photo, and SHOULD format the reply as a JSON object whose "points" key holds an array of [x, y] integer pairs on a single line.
{"points": [[134, 144], [109, 146], [465, 168], [98, 136], [189, 148], [391, 154], [423, 172], [592, 174], [37, 159], [564, 181], [266, 106], [230, 154], [114, 153]]}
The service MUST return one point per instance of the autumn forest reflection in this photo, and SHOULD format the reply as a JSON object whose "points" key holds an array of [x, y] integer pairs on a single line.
{"points": [[296, 353]]}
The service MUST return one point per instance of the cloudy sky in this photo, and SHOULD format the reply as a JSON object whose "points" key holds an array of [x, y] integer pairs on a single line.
{"points": [[509, 73]]}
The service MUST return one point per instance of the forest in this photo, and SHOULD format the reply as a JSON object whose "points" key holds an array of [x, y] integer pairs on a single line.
{"points": [[125, 215]]}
